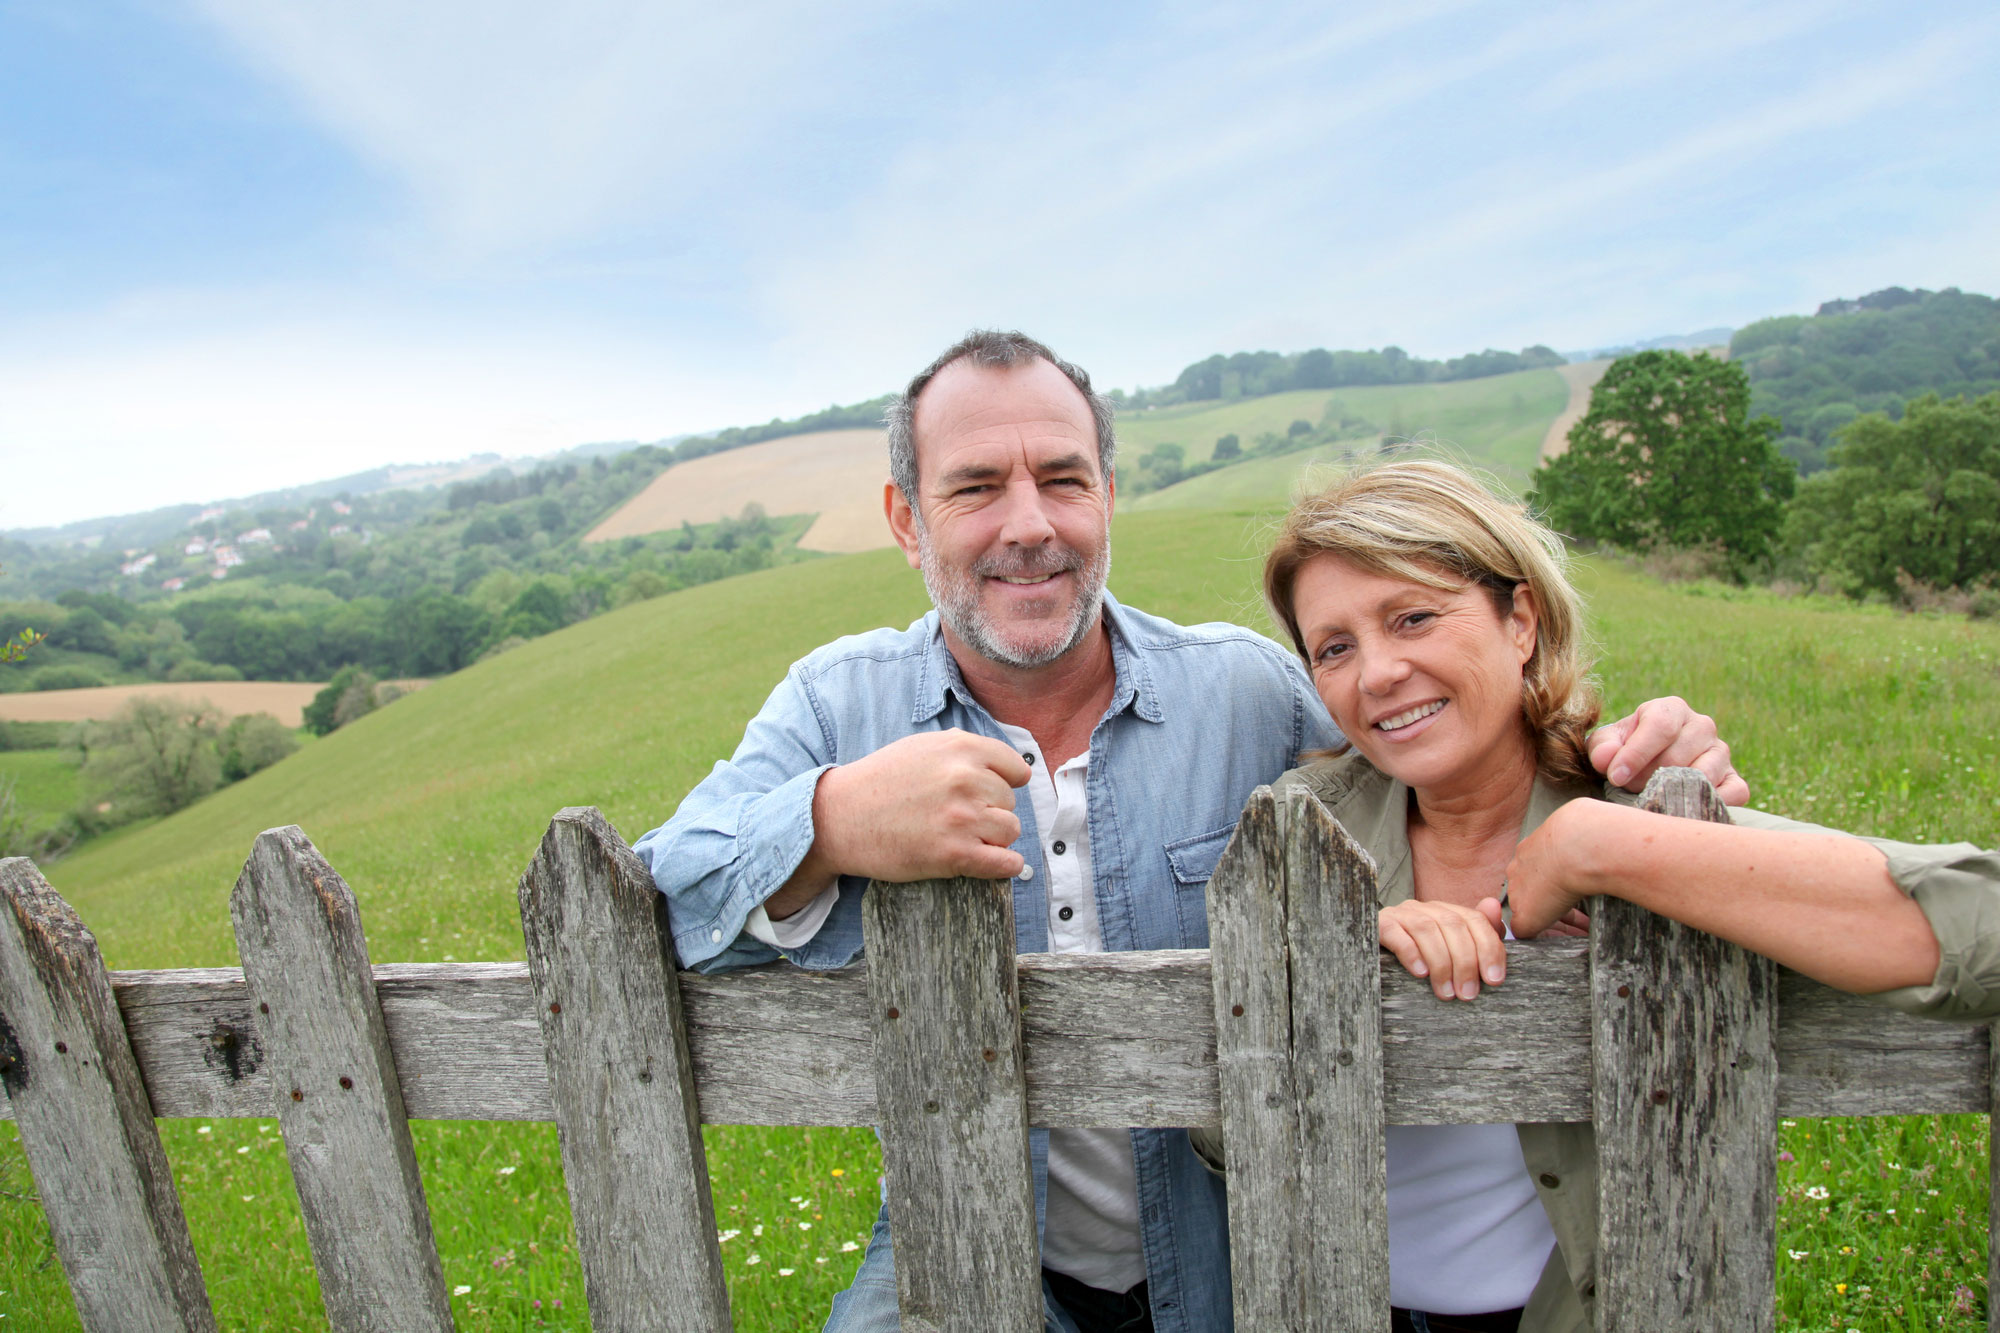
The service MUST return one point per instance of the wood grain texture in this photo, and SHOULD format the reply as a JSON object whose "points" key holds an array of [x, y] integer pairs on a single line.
{"points": [[1109, 1039], [1685, 1075], [951, 1102], [326, 1057], [622, 1082], [1993, 1181], [1297, 993], [85, 1122]]}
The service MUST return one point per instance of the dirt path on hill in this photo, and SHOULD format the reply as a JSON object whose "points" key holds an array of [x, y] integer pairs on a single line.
{"points": [[1582, 377]]}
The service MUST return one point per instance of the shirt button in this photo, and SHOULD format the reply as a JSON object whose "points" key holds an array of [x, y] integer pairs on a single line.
{"points": [[715, 937], [1027, 873], [1059, 847], [1029, 756], [1066, 913], [1549, 1180]]}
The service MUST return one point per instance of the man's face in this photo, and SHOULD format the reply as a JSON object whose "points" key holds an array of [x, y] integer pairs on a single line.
{"points": [[1014, 535]]}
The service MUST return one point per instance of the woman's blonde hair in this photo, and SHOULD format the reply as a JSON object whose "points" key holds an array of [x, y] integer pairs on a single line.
{"points": [[1433, 523]]}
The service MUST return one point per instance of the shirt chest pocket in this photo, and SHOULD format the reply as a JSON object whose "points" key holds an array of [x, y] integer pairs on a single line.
{"points": [[1192, 862]]}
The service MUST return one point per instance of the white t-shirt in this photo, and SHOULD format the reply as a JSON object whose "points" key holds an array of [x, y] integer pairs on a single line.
{"points": [[1467, 1232]]}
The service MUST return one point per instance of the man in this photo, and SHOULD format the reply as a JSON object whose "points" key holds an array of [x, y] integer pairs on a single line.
{"points": [[1134, 742]]}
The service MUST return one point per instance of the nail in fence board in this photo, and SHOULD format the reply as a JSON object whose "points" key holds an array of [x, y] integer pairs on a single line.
{"points": [[952, 1105], [1298, 1005], [1685, 1076], [621, 1082], [326, 1054], [85, 1121]]}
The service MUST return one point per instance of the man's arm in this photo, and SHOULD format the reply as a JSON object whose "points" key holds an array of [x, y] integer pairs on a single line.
{"points": [[929, 806]]}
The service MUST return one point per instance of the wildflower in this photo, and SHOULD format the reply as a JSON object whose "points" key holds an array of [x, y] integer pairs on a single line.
{"points": [[508, 1170], [754, 1259], [757, 1230], [245, 1148], [1786, 1157], [1815, 1191], [1798, 1254], [848, 1247], [461, 1291], [538, 1302], [1840, 1287], [205, 1130], [1847, 1249], [248, 1197], [820, 1260], [724, 1237], [840, 1171], [784, 1272], [807, 1226]]}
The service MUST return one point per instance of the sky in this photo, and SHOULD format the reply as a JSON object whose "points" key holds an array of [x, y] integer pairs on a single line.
{"points": [[246, 245]]}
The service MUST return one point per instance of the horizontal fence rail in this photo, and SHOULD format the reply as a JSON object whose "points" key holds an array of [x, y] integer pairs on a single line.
{"points": [[1108, 1039], [1295, 1035]]}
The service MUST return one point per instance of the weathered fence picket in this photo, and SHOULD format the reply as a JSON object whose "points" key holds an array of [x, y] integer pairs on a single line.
{"points": [[621, 1081], [1686, 1112], [951, 1103], [1293, 1033], [89, 1134], [338, 1100]]}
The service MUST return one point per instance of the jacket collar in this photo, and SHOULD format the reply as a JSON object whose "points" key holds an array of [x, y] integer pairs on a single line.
{"points": [[1135, 689]]}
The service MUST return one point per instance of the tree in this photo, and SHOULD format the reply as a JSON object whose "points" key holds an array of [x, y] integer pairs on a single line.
{"points": [[1918, 497], [1668, 455], [253, 742], [1227, 446], [350, 694], [155, 756]]}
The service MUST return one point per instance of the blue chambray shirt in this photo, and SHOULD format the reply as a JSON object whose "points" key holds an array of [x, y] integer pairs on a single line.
{"points": [[1200, 716]]}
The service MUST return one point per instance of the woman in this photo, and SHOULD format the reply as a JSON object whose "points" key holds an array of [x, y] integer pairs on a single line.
{"points": [[1439, 627]]}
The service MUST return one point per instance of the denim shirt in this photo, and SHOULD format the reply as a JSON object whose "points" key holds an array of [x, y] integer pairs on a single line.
{"points": [[1199, 717]]}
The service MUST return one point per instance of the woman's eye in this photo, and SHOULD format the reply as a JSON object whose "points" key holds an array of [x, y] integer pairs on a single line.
{"points": [[1418, 619], [1331, 652]]}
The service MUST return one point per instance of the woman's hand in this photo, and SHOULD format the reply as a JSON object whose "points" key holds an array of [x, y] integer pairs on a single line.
{"points": [[1453, 946], [1546, 881]]}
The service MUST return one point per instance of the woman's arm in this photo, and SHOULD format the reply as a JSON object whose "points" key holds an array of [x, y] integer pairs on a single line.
{"points": [[1820, 904]]}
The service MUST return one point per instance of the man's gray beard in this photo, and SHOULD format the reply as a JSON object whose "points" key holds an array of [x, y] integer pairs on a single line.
{"points": [[956, 596]]}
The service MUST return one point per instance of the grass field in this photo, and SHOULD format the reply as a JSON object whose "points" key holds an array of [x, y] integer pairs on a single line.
{"points": [[431, 807], [46, 784], [1496, 423]]}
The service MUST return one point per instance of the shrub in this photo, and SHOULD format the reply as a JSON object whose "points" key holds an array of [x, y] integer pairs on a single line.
{"points": [[66, 678], [253, 742], [155, 756], [194, 669]]}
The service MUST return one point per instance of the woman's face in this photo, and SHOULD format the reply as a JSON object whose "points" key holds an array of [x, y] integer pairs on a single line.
{"points": [[1426, 684]]}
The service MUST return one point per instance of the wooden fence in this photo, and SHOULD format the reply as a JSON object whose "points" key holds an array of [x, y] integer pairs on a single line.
{"points": [[1293, 1032]]}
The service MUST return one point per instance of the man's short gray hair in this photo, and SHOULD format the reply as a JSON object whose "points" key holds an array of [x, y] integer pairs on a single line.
{"points": [[999, 349]]}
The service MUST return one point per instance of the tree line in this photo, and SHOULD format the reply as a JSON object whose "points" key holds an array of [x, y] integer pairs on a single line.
{"points": [[1254, 374]]}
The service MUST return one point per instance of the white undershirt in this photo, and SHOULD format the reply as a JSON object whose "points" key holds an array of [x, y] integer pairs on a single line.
{"points": [[1467, 1233], [1092, 1227]]}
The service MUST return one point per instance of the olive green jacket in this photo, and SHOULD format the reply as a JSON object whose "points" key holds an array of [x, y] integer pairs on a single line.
{"points": [[1958, 887]]}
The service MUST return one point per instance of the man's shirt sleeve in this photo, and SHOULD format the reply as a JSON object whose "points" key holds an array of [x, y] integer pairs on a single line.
{"points": [[741, 833]]}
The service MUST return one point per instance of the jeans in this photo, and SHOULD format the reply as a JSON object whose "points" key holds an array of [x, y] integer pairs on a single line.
{"points": [[869, 1306]]}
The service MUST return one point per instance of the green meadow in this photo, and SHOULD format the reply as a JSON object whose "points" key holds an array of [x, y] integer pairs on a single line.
{"points": [[1495, 423], [431, 807]]}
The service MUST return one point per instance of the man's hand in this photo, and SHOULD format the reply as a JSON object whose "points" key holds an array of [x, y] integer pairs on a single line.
{"points": [[929, 806], [1546, 879], [1665, 733]]}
